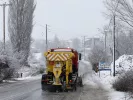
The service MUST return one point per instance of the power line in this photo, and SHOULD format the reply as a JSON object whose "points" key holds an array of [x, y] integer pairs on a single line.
{"points": [[46, 38]]}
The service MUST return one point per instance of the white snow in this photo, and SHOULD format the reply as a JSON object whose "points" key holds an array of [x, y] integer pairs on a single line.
{"points": [[84, 67], [38, 56], [36, 62], [30, 78], [114, 95], [9, 81], [123, 63], [105, 80]]}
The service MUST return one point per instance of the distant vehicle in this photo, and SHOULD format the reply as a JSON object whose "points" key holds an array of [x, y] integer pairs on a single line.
{"points": [[61, 70]]}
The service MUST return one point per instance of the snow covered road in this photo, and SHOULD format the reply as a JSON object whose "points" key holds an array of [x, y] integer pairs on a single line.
{"points": [[26, 90], [31, 90]]}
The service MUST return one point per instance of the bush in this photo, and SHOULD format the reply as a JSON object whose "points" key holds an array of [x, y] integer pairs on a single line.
{"points": [[42, 70], [6, 74], [124, 82], [9, 73], [95, 67], [7, 67]]}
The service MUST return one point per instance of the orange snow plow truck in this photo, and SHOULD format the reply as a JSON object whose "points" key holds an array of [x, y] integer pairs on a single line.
{"points": [[61, 70]]}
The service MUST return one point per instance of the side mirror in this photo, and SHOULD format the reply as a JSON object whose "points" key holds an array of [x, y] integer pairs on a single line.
{"points": [[80, 56]]}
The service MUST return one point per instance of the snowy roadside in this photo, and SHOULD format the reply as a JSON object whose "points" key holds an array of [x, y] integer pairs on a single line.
{"points": [[104, 81], [29, 78]]}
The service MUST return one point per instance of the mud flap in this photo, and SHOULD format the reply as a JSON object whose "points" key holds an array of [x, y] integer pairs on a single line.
{"points": [[80, 82], [49, 88], [64, 89]]}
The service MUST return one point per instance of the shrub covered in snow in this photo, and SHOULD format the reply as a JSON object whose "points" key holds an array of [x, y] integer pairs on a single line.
{"points": [[8, 66], [124, 82], [8, 62], [123, 64], [124, 73]]}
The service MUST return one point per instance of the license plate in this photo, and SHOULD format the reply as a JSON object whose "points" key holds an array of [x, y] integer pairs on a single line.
{"points": [[58, 65]]}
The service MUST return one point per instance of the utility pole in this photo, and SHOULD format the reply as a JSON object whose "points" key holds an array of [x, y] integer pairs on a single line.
{"points": [[46, 37], [84, 47], [105, 40], [4, 6], [114, 45]]}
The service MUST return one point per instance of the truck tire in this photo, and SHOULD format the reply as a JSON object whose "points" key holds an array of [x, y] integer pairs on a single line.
{"points": [[75, 87], [44, 87]]}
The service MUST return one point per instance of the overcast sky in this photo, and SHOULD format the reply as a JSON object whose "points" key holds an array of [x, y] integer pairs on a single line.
{"points": [[66, 18]]}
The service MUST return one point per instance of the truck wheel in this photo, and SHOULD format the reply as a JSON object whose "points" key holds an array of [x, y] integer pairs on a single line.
{"points": [[75, 88], [44, 87]]}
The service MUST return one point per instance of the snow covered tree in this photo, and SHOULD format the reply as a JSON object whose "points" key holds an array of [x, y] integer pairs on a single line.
{"points": [[97, 55], [123, 10], [20, 25], [8, 63], [124, 44]]}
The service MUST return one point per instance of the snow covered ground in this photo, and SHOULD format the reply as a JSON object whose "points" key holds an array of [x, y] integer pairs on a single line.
{"points": [[36, 62], [103, 81], [30, 77], [123, 63]]}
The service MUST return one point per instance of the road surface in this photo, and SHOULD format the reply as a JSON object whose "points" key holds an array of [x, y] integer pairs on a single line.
{"points": [[31, 90]]}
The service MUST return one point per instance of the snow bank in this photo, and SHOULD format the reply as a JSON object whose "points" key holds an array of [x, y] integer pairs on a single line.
{"points": [[123, 63], [24, 71], [36, 62], [84, 67], [88, 76], [30, 78], [104, 80]]}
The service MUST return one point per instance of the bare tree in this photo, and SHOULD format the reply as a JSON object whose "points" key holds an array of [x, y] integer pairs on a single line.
{"points": [[20, 25], [123, 9], [97, 55]]}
